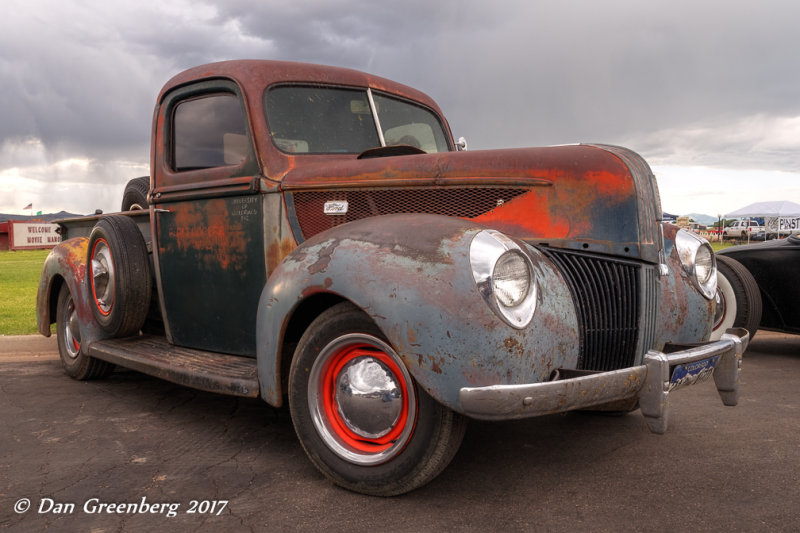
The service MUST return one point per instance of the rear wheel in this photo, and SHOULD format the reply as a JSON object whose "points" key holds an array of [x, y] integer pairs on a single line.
{"points": [[738, 298], [358, 413], [76, 364], [119, 276]]}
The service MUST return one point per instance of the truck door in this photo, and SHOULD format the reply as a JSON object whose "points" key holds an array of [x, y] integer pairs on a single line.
{"points": [[207, 219]]}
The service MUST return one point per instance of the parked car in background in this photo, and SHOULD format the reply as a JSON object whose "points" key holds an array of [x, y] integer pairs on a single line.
{"points": [[745, 228], [773, 268]]}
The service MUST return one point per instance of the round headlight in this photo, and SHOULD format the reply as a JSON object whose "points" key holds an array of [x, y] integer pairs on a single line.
{"points": [[504, 277], [511, 279], [704, 265], [698, 262]]}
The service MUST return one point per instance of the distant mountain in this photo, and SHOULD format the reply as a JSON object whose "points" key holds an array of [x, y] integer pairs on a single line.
{"points": [[706, 220], [48, 217]]}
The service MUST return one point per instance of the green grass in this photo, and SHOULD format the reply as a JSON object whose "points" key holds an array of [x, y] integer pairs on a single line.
{"points": [[717, 246], [19, 280]]}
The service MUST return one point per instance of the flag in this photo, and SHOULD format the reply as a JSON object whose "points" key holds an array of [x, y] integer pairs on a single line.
{"points": [[29, 206]]}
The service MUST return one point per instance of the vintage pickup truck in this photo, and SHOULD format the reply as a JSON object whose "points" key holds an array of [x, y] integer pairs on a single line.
{"points": [[316, 234]]}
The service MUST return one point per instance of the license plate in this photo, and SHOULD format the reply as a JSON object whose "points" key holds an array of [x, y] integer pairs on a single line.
{"points": [[690, 373]]}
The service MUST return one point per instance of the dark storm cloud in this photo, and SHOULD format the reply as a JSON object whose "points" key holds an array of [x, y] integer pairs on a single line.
{"points": [[522, 73], [507, 72], [82, 77], [576, 71], [683, 82]]}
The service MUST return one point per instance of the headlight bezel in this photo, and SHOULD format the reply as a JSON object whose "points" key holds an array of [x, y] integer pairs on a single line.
{"points": [[689, 246], [487, 249]]}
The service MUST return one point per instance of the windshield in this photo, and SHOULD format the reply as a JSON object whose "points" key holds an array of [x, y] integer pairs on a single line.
{"points": [[324, 120]]}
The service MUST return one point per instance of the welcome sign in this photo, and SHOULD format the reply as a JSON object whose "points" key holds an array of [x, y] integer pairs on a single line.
{"points": [[32, 235]]}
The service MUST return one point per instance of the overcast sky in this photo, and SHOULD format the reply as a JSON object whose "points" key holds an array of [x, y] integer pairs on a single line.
{"points": [[708, 92]]}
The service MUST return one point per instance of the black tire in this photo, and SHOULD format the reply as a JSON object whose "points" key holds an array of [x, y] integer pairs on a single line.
{"points": [[135, 195], [76, 364], [739, 296], [408, 451], [119, 276]]}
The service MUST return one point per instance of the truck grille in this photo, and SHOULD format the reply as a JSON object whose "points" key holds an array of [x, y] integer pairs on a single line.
{"points": [[455, 201], [615, 300]]}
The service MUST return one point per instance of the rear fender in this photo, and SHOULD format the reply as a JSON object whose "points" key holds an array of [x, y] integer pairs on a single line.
{"points": [[411, 275], [66, 263]]}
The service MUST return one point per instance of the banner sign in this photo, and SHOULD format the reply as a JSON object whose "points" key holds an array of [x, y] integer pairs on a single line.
{"points": [[32, 235], [783, 225]]}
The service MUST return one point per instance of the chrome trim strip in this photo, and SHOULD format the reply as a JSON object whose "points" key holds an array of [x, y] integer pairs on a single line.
{"points": [[375, 116]]}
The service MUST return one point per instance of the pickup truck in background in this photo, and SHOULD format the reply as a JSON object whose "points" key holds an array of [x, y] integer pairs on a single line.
{"points": [[744, 229], [316, 235]]}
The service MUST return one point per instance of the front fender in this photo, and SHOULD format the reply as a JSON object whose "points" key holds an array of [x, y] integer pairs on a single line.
{"points": [[686, 316], [66, 263], [411, 274]]}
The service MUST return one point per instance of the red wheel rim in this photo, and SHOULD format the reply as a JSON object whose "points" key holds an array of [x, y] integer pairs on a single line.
{"points": [[362, 400], [330, 374]]}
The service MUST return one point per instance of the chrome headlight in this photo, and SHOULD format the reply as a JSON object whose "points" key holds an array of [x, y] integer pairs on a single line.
{"points": [[699, 262], [504, 276]]}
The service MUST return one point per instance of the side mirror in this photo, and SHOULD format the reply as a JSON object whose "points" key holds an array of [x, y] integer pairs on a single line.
{"points": [[461, 144]]}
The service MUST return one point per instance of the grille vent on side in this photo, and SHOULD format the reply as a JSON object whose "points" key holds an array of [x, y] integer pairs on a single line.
{"points": [[650, 306], [607, 295], [456, 201]]}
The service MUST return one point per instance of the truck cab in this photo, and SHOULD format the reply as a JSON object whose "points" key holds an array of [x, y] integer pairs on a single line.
{"points": [[314, 234]]}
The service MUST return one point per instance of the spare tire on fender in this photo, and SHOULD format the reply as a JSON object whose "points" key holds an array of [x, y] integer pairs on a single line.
{"points": [[119, 276]]}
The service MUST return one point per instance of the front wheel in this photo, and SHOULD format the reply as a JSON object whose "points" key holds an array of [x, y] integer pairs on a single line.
{"points": [[358, 413]]}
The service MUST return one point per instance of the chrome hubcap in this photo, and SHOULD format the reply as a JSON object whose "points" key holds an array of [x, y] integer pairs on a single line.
{"points": [[72, 333], [103, 277], [719, 312], [362, 399], [368, 397]]}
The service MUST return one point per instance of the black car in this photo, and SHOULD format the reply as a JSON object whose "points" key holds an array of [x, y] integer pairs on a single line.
{"points": [[763, 280]]}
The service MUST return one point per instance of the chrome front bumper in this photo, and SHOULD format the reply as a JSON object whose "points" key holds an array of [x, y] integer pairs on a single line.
{"points": [[649, 383]]}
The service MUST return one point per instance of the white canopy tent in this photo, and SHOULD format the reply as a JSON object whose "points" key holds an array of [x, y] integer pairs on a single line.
{"points": [[767, 209], [774, 210]]}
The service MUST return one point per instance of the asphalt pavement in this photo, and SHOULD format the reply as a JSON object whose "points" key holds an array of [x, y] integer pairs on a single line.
{"points": [[133, 453]]}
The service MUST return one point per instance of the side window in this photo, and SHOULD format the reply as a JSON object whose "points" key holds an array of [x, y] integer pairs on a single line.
{"points": [[208, 132], [407, 123]]}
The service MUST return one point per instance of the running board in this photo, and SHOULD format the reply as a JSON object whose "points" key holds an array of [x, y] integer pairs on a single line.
{"points": [[209, 371]]}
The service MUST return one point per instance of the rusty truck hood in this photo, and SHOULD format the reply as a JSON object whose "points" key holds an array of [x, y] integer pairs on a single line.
{"points": [[588, 197]]}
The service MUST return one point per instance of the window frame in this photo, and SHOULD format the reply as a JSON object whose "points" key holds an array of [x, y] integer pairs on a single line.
{"points": [[179, 95], [171, 130]]}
